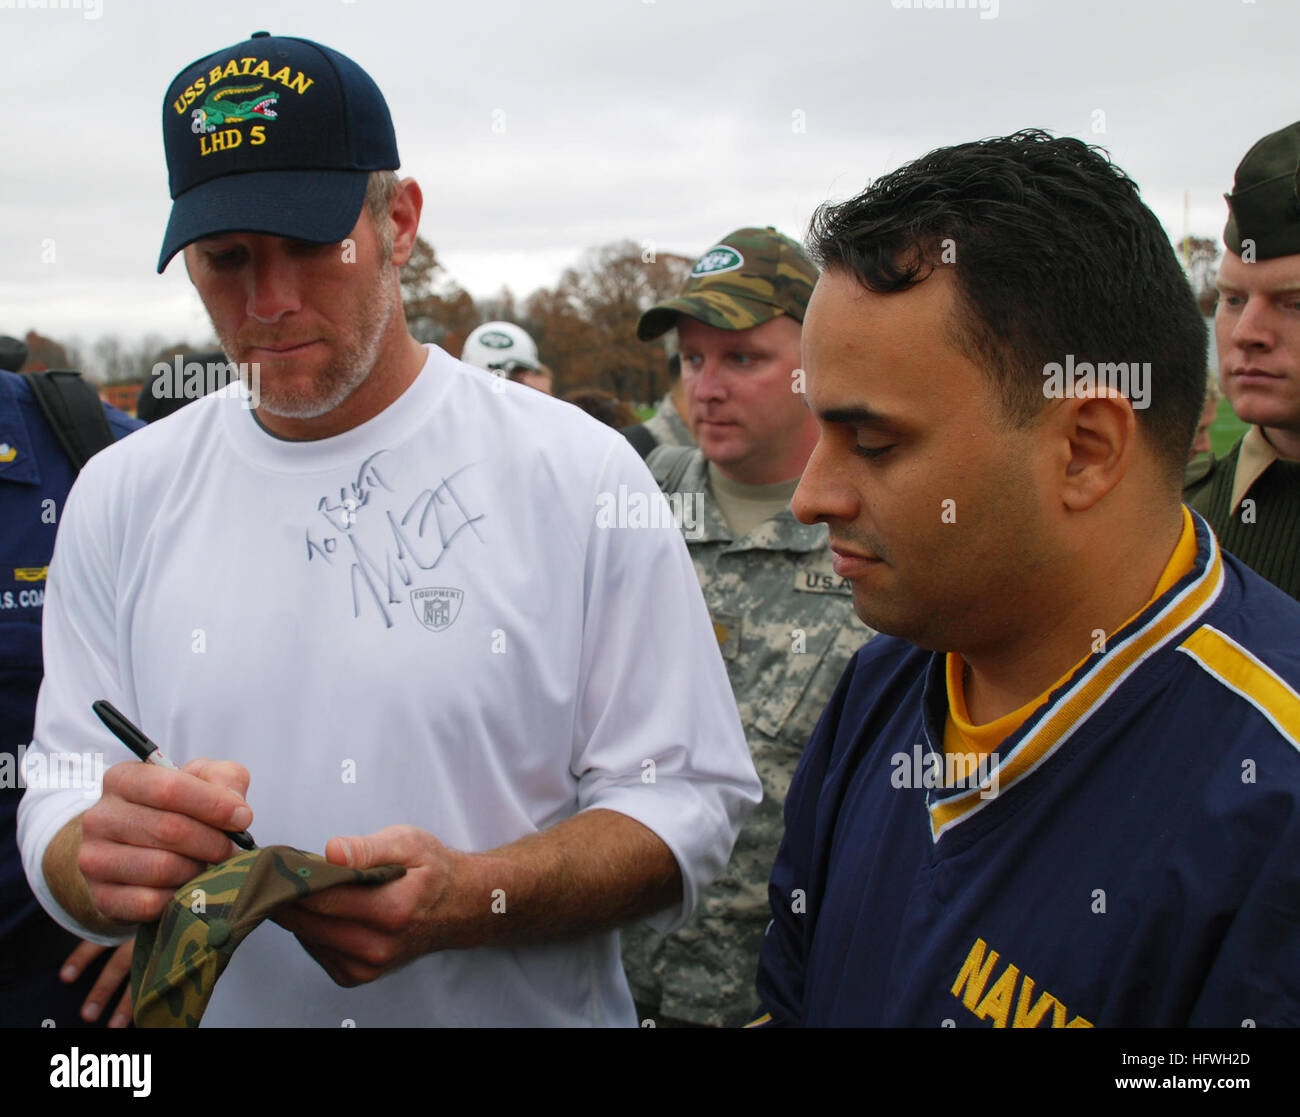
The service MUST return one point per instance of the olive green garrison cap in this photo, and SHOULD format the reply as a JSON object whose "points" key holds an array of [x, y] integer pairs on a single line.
{"points": [[177, 960], [1265, 201], [750, 277]]}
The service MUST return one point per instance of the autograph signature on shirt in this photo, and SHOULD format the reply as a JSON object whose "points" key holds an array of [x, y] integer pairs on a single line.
{"points": [[411, 535]]}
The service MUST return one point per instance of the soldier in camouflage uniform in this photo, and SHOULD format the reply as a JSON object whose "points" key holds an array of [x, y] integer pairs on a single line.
{"points": [[667, 424], [784, 620], [1251, 497], [666, 427]]}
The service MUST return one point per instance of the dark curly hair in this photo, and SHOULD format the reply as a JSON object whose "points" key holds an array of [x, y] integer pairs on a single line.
{"points": [[1054, 253]]}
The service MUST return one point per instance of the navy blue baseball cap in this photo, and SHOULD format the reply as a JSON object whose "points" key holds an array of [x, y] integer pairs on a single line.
{"points": [[274, 135]]}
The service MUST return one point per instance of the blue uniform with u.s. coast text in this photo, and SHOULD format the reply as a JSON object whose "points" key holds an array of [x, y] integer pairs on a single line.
{"points": [[35, 475], [1139, 864]]}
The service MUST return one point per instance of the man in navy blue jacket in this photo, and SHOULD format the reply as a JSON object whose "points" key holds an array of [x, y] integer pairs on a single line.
{"points": [[1068, 793]]}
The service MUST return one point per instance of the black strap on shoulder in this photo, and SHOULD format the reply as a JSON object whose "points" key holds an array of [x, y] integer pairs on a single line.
{"points": [[641, 437], [73, 409]]}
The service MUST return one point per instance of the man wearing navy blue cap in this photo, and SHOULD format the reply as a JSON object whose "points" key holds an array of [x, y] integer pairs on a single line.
{"points": [[326, 576], [282, 137], [308, 121]]}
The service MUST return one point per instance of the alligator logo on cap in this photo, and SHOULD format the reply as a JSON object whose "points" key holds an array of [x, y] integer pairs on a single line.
{"points": [[217, 111], [240, 91], [719, 259]]}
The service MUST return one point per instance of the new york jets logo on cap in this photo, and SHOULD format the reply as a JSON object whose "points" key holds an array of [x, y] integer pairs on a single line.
{"points": [[718, 259], [493, 339]]}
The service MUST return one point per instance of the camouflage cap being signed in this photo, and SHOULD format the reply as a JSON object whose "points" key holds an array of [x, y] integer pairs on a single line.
{"points": [[751, 277], [177, 960], [1265, 200]]}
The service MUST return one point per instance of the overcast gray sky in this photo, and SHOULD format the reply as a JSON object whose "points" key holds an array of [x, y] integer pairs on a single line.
{"points": [[668, 121]]}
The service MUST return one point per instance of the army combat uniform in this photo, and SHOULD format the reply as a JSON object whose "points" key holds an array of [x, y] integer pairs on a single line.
{"points": [[785, 623], [667, 426]]}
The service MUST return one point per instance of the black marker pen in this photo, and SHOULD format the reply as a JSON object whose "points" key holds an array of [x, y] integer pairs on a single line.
{"points": [[147, 751]]}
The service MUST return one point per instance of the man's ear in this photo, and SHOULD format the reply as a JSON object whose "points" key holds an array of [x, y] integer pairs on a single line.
{"points": [[404, 209], [1101, 435]]}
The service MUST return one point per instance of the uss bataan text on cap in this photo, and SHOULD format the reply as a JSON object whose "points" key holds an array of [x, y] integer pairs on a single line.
{"points": [[1265, 201], [748, 278], [274, 135]]}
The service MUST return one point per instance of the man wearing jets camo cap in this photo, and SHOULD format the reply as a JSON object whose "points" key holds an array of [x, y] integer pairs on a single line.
{"points": [[782, 617]]}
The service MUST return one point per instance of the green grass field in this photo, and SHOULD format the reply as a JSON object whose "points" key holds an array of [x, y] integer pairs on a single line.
{"points": [[1225, 430]]}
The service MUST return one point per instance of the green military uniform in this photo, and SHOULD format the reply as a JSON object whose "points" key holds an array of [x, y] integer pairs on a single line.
{"points": [[785, 623], [1252, 496], [1254, 511]]}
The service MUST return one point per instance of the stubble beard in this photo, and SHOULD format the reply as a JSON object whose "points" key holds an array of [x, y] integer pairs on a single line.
{"points": [[349, 369]]}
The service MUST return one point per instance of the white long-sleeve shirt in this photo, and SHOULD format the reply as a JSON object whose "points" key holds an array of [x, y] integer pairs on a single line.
{"points": [[422, 620]]}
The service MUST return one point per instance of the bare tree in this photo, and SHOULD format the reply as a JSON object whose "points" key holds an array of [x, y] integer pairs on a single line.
{"points": [[437, 309], [586, 326]]}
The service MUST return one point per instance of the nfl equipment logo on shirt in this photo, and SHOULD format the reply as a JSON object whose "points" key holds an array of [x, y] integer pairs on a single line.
{"points": [[437, 609]]}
